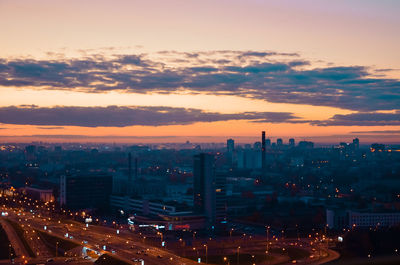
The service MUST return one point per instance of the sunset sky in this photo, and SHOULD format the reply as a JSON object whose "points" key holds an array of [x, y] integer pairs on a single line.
{"points": [[204, 71]]}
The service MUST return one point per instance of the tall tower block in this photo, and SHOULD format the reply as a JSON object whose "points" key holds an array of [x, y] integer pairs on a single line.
{"points": [[263, 152]]}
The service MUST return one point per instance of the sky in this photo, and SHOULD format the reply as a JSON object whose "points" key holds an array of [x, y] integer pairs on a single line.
{"points": [[204, 71]]}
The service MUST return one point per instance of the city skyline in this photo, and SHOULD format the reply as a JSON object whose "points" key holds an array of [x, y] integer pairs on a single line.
{"points": [[131, 72]]}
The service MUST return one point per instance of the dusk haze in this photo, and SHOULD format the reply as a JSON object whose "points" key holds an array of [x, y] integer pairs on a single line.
{"points": [[326, 70]]}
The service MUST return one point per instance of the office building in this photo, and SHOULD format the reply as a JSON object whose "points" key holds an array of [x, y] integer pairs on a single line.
{"points": [[220, 198], [291, 142], [249, 159], [204, 186], [230, 146], [306, 145], [40, 194], [356, 143], [263, 152], [339, 219], [209, 190], [91, 191], [30, 152]]}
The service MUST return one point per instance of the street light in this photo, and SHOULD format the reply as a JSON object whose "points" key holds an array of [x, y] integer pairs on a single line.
{"points": [[197, 252], [268, 227], [206, 253], [238, 248]]}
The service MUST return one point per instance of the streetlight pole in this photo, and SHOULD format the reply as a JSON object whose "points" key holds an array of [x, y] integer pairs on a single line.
{"points": [[56, 249], [238, 249], [206, 253], [9, 251], [267, 238], [197, 253]]}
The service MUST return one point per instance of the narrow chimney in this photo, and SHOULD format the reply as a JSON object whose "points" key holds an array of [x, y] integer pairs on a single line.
{"points": [[129, 167], [136, 168]]}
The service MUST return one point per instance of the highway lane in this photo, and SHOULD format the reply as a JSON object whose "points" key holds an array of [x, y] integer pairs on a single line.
{"points": [[130, 245], [15, 241], [96, 237]]}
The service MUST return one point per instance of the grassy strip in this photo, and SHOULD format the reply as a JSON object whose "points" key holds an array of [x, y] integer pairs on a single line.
{"points": [[297, 253], [293, 253], [106, 259], [50, 241], [5, 249], [20, 232]]}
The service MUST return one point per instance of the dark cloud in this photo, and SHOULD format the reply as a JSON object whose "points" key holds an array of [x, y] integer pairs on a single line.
{"points": [[114, 116], [51, 128], [263, 54], [378, 132], [251, 74], [362, 119]]}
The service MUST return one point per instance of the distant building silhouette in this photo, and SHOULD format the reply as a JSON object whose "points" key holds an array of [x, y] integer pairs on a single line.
{"points": [[306, 145], [263, 152], [230, 145], [291, 143], [257, 146], [356, 143], [30, 152], [129, 167]]}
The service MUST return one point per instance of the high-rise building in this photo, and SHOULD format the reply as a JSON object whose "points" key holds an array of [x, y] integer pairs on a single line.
{"points": [[356, 143], [268, 142], [85, 191], [220, 198], [291, 142], [279, 142], [129, 167], [230, 145], [263, 151], [30, 152], [204, 185], [209, 189]]}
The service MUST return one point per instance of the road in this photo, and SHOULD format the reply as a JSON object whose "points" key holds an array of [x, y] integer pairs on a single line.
{"points": [[133, 246], [125, 245], [19, 248]]}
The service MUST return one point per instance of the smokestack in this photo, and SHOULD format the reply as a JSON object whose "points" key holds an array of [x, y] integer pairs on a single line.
{"points": [[136, 168], [263, 152], [129, 167]]}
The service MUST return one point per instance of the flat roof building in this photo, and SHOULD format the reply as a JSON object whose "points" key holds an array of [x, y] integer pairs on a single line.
{"points": [[85, 191]]}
